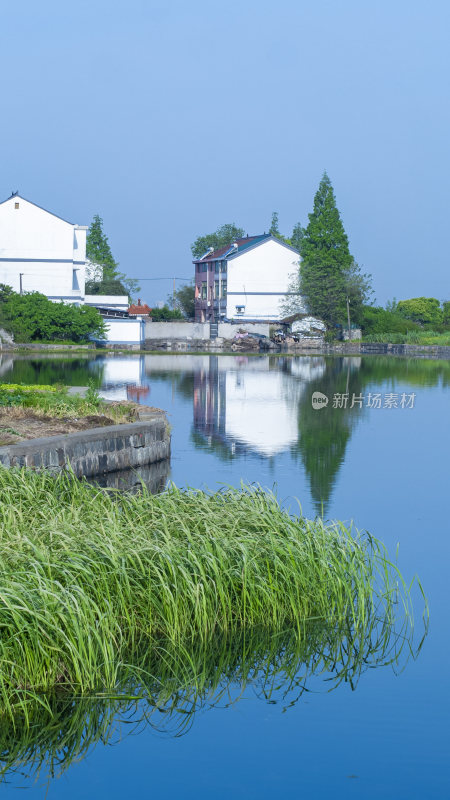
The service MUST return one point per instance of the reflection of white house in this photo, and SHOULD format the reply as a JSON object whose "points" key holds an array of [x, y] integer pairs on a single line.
{"points": [[259, 411], [119, 374], [40, 252], [245, 281]]}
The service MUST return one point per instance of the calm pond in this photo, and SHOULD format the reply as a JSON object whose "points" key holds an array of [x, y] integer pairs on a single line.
{"points": [[250, 728]]}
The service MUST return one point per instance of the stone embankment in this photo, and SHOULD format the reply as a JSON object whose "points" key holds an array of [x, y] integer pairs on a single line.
{"points": [[95, 451]]}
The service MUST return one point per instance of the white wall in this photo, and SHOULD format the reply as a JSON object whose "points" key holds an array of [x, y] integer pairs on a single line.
{"points": [[258, 278], [176, 330], [49, 252], [124, 331]]}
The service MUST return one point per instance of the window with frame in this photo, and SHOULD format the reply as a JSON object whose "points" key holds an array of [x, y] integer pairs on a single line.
{"points": [[204, 290], [224, 288], [223, 266], [240, 309], [216, 289]]}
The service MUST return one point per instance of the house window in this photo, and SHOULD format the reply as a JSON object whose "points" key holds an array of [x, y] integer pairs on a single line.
{"points": [[216, 266], [223, 266], [204, 290], [224, 288], [240, 309], [216, 289], [16, 205]]}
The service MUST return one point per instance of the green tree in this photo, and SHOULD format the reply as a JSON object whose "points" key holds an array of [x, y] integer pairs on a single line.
{"points": [[222, 237], [98, 249], [165, 314], [99, 252], [421, 309], [297, 236], [328, 273], [446, 312], [33, 317], [183, 300], [274, 229], [109, 287]]}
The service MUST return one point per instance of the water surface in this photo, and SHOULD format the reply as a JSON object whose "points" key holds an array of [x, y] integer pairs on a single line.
{"points": [[382, 463]]}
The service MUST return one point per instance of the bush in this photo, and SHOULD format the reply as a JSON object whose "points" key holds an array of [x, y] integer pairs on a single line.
{"points": [[165, 314], [421, 309], [446, 312], [32, 318], [377, 320]]}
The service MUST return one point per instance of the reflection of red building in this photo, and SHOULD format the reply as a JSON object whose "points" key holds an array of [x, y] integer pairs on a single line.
{"points": [[136, 392], [209, 399]]}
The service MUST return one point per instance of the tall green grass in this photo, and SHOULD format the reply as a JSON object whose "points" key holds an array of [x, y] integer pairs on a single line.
{"points": [[93, 582]]}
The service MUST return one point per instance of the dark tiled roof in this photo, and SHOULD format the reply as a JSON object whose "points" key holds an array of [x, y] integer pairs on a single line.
{"points": [[246, 241]]}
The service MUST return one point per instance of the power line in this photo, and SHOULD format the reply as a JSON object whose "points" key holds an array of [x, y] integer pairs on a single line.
{"points": [[159, 279]]}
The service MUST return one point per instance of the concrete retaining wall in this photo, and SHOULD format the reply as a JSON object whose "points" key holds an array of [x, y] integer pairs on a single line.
{"points": [[95, 451], [199, 331]]}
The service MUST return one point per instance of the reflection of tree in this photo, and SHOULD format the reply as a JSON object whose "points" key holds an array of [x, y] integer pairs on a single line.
{"points": [[324, 432], [51, 371], [174, 682]]}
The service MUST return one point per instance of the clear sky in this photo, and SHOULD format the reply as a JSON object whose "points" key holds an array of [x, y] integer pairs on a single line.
{"points": [[172, 118]]}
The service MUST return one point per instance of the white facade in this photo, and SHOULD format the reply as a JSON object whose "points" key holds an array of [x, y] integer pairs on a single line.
{"points": [[40, 252], [123, 331], [258, 279]]}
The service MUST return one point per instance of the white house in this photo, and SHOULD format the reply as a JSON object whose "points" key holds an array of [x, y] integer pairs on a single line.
{"points": [[41, 252], [247, 281]]}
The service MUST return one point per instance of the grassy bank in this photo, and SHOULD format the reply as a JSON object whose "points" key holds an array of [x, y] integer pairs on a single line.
{"points": [[412, 337], [55, 402], [93, 583]]}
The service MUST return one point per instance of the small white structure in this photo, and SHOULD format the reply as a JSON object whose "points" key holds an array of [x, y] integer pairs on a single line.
{"points": [[41, 252], [124, 331], [112, 302], [247, 281]]}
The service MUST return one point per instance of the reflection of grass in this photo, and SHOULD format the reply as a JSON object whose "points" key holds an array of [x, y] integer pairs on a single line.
{"points": [[89, 580], [175, 681]]}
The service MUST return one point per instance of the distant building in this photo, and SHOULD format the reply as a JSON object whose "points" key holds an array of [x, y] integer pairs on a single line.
{"points": [[247, 280], [138, 310], [41, 252]]}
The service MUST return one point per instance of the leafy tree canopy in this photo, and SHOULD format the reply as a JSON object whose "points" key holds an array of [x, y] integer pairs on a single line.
{"points": [[184, 300], [32, 317], [165, 314], [111, 287], [222, 237], [329, 274], [446, 312], [421, 309]]}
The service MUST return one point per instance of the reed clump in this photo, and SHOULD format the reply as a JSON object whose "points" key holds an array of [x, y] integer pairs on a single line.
{"points": [[91, 580]]}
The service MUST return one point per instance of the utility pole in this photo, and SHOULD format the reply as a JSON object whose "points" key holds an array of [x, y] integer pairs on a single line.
{"points": [[173, 295], [348, 319], [21, 274]]}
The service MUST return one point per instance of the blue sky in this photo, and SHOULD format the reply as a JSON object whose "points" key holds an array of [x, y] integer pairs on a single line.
{"points": [[172, 118]]}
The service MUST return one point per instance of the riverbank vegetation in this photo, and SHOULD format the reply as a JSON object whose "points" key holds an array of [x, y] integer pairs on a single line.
{"points": [[94, 584], [33, 411], [32, 317]]}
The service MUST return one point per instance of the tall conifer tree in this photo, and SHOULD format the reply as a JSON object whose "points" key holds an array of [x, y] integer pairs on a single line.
{"points": [[326, 258]]}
